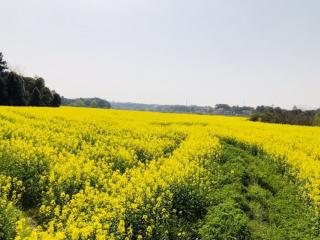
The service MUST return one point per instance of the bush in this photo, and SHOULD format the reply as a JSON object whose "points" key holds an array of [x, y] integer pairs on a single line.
{"points": [[29, 171], [8, 218], [225, 221]]}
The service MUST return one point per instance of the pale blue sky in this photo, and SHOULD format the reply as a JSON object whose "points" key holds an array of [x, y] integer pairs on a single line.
{"points": [[166, 51]]}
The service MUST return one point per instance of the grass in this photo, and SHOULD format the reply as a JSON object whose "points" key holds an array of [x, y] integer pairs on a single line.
{"points": [[256, 199]]}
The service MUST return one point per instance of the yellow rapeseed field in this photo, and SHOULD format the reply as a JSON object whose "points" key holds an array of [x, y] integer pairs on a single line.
{"points": [[111, 174]]}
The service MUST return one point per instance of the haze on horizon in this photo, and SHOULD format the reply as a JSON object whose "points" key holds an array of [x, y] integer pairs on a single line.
{"points": [[240, 52]]}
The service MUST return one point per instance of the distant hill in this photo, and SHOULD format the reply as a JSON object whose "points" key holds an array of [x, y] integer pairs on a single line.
{"points": [[86, 102], [222, 109]]}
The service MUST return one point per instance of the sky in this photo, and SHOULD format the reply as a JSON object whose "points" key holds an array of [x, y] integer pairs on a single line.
{"points": [[202, 52]]}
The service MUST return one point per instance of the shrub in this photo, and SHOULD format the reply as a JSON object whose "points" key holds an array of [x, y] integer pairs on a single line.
{"points": [[8, 218], [225, 221]]}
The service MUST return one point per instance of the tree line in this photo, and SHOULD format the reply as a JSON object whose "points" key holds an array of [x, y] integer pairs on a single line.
{"points": [[86, 102], [293, 117], [221, 109], [17, 90]]}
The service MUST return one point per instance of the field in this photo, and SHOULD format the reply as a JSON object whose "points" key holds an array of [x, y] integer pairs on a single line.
{"points": [[73, 173]]}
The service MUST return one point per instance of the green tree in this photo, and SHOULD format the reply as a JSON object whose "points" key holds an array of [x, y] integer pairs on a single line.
{"points": [[101, 103], [78, 103], [225, 107], [39, 83], [93, 104], [35, 98], [317, 118], [3, 64], [3, 92], [46, 96], [56, 101], [29, 84], [16, 90]]}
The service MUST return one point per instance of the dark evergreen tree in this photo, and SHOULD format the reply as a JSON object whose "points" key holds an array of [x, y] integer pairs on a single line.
{"points": [[39, 83], [29, 85], [56, 102], [278, 115], [16, 91], [3, 64], [3, 92], [35, 98], [86, 102], [46, 96], [3, 85]]}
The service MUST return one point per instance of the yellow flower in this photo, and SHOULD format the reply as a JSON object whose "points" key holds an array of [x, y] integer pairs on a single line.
{"points": [[98, 167], [121, 227]]}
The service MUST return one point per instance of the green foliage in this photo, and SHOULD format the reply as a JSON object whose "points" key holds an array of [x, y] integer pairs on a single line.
{"points": [[278, 115], [10, 192], [29, 172], [86, 102], [39, 83], [56, 101], [190, 202], [255, 199], [46, 96], [17, 90], [78, 103], [225, 221], [3, 64], [8, 218], [317, 119], [35, 99], [3, 92]]}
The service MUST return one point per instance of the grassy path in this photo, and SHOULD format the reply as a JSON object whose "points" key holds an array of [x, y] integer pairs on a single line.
{"points": [[255, 199]]}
